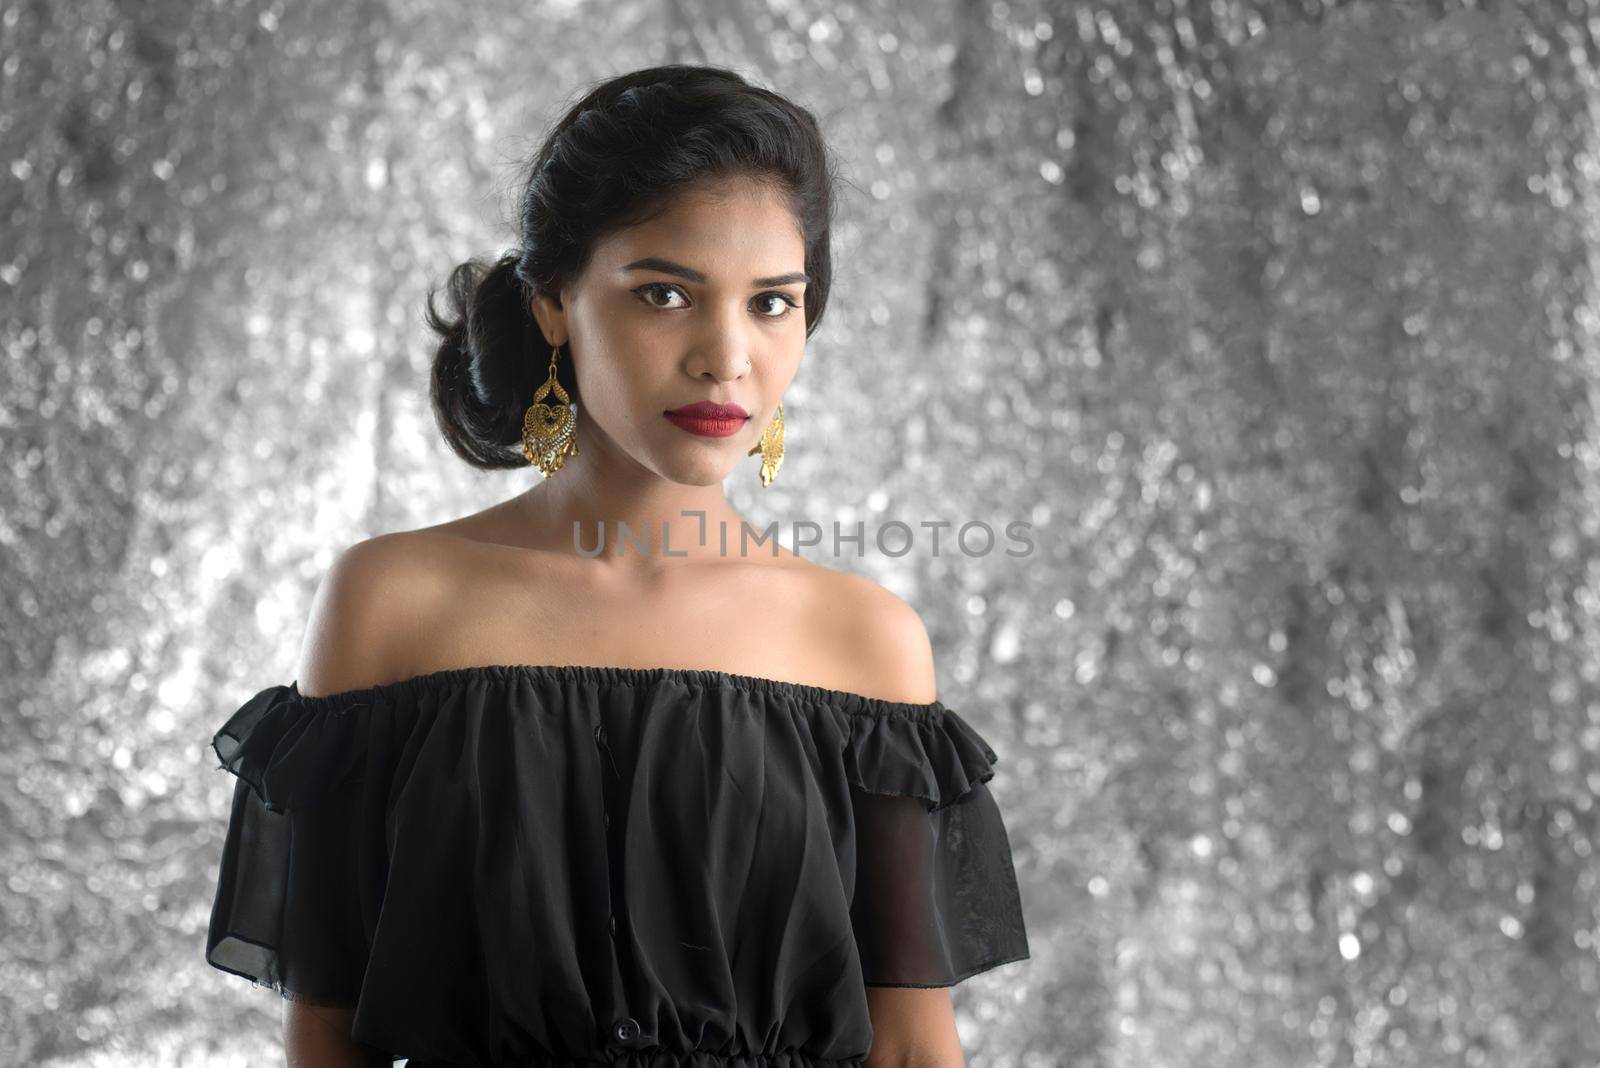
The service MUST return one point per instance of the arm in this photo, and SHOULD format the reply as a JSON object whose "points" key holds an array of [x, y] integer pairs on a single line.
{"points": [[318, 1036], [911, 1027], [362, 612]]}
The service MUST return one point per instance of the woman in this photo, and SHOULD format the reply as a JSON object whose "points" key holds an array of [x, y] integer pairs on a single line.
{"points": [[686, 800]]}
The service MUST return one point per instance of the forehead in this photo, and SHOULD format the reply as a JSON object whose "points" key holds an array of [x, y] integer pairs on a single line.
{"points": [[730, 223]]}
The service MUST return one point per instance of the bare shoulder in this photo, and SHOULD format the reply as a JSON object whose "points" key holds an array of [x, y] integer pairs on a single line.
{"points": [[370, 607], [880, 636]]}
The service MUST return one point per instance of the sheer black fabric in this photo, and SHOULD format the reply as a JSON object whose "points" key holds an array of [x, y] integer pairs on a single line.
{"points": [[544, 865]]}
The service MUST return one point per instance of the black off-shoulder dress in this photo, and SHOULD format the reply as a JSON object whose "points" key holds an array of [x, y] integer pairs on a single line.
{"points": [[564, 865]]}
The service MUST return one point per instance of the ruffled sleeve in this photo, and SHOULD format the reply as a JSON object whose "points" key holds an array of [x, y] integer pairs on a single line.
{"points": [[936, 898], [291, 908]]}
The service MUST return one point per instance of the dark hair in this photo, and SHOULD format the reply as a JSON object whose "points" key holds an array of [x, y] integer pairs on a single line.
{"points": [[617, 158]]}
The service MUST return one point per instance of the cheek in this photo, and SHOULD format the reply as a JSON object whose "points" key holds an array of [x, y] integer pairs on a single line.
{"points": [[620, 386], [793, 356]]}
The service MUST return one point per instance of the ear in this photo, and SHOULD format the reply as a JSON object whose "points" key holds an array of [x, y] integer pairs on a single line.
{"points": [[551, 315]]}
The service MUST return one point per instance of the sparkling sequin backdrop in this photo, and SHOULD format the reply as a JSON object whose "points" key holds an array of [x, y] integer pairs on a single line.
{"points": [[1275, 319]]}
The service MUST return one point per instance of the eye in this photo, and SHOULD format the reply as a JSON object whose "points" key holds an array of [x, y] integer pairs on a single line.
{"points": [[651, 287], [784, 297]]}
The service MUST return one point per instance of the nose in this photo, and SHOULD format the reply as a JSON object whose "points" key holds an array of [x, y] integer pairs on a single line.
{"points": [[725, 363], [721, 351]]}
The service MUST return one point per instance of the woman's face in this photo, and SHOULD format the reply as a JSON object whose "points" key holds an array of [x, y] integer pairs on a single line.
{"points": [[706, 302]]}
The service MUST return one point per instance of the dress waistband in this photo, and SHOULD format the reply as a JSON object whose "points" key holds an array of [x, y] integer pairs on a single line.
{"points": [[665, 1058]]}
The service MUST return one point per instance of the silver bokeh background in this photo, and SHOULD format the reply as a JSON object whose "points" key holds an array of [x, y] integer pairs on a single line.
{"points": [[1276, 320]]}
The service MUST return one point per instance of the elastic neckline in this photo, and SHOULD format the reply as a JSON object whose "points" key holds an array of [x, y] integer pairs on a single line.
{"points": [[691, 678]]}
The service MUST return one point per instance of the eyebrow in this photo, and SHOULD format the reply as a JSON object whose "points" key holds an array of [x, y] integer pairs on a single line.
{"points": [[656, 263]]}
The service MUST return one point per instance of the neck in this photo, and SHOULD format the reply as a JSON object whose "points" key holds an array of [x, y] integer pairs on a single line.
{"points": [[597, 492]]}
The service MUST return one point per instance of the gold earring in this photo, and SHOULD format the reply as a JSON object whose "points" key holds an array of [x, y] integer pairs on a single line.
{"points": [[771, 448], [549, 432]]}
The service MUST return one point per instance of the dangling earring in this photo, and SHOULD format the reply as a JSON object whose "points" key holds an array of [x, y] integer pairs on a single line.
{"points": [[549, 432], [771, 448]]}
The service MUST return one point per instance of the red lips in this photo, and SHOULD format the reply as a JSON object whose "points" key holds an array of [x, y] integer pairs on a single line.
{"points": [[711, 410], [709, 419]]}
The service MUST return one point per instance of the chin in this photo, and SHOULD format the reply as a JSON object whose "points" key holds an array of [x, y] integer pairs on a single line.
{"points": [[692, 464], [695, 474], [675, 461]]}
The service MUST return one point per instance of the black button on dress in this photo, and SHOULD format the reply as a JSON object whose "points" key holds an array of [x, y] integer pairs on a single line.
{"points": [[560, 865]]}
